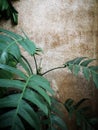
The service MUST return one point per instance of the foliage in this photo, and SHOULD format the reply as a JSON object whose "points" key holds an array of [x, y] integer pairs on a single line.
{"points": [[80, 65], [84, 120], [7, 11], [28, 101]]}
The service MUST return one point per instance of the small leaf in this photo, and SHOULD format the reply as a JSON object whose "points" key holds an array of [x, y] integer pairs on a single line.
{"points": [[58, 121], [95, 78], [76, 69], [86, 62], [94, 68], [80, 102], [68, 104], [86, 73], [78, 60], [70, 66]]}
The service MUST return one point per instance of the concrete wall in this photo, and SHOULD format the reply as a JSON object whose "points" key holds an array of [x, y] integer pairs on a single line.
{"points": [[65, 29]]}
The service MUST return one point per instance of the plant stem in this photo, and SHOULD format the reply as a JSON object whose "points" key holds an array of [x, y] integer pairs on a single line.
{"points": [[36, 64], [53, 69], [30, 68]]}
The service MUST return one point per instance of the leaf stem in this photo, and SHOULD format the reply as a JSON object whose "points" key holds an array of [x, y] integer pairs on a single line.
{"points": [[30, 68], [61, 67], [35, 64]]}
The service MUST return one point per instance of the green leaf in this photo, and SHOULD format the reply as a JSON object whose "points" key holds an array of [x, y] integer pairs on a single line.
{"points": [[5, 74], [86, 62], [10, 46], [68, 102], [11, 83], [9, 101], [3, 5], [70, 66], [93, 68], [36, 99], [38, 80], [4, 57], [78, 60], [13, 70], [28, 114], [86, 73], [95, 78], [25, 66], [40, 91], [80, 102], [26, 43], [58, 121], [29, 46], [11, 34], [6, 120], [76, 69]]}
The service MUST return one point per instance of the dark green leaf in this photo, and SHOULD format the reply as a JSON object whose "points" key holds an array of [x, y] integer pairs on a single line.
{"points": [[11, 83], [38, 80], [27, 113], [95, 78], [86, 62], [13, 70], [86, 73], [76, 69], [37, 100], [59, 122], [41, 91], [80, 102], [9, 101]]}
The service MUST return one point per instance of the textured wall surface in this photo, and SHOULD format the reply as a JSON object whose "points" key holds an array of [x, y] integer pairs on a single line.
{"points": [[65, 29]]}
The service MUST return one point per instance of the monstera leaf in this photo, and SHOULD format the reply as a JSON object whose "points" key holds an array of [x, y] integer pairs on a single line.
{"points": [[10, 52], [82, 114], [32, 91], [81, 64], [7, 11]]}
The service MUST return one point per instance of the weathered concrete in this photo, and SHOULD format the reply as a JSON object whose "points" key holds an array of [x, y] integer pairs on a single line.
{"points": [[65, 29]]}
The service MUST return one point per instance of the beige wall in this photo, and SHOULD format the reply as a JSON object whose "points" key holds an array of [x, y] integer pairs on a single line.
{"points": [[65, 29]]}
